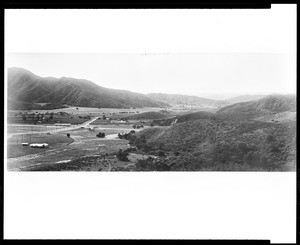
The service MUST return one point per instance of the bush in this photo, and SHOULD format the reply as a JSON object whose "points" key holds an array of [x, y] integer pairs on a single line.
{"points": [[100, 135], [122, 155], [68, 135], [177, 153], [161, 154]]}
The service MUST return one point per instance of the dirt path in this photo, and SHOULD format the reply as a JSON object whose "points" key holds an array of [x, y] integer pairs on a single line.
{"points": [[72, 127]]}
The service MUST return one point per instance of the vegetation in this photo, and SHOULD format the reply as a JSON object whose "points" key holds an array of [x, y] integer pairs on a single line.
{"points": [[150, 115], [122, 155], [100, 135], [219, 145], [126, 136], [25, 89]]}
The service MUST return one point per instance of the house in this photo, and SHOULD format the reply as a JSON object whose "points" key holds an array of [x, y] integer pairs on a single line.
{"points": [[39, 145]]}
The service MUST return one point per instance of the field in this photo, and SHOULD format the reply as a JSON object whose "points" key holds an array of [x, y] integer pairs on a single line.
{"points": [[91, 110], [62, 149], [15, 149]]}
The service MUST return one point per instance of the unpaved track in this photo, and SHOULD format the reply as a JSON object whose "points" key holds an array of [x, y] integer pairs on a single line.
{"points": [[72, 127]]}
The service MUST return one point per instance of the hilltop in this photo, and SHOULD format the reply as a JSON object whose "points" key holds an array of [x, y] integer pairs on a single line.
{"points": [[264, 107], [27, 89]]}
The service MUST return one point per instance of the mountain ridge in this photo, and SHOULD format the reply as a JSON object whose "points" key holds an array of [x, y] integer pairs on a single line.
{"points": [[179, 99], [26, 87]]}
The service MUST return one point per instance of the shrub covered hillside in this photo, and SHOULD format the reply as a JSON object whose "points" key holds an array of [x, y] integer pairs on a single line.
{"points": [[267, 106], [222, 145], [150, 115], [184, 118]]}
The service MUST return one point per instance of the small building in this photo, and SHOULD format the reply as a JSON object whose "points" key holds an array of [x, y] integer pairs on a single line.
{"points": [[24, 144], [62, 124], [39, 145]]}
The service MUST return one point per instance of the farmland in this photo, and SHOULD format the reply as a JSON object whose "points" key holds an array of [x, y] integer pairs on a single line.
{"points": [[67, 144]]}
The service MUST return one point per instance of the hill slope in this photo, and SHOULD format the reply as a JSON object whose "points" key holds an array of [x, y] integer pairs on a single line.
{"points": [[150, 115], [264, 107], [199, 115], [26, 87], [237, 137], [178, 99], [244, 98], [213, 145]]}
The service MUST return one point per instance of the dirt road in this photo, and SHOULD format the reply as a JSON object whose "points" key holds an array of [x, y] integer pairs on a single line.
{"points": [[67, 128]]}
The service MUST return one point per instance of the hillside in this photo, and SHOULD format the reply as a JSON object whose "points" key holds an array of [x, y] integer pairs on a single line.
{"points": [[26, 88], [240, 137], [178, 99], [213, 145], [184, 118], [150, 115], [264, 107], [244, 98]]}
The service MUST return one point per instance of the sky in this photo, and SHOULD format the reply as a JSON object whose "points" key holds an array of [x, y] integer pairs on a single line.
{"points": [[184, 51], [191, 74]]}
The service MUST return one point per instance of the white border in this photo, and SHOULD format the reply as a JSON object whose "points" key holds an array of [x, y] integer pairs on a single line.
{"points": [[151, 205]]}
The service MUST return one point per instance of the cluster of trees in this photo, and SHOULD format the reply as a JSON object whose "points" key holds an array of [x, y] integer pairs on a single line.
{"points": [[122, 155], [137, 126], [152, 164], [126, 136], [35, 117], [85, 117], [100, 135]]}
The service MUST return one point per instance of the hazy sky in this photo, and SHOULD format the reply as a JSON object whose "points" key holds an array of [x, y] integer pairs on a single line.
{"points": [[188, 51], [170, 73]]}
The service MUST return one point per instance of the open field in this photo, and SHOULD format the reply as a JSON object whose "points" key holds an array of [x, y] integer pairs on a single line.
{"points": [[62, 149], [25, 128], [91, 110], [73, 115], [15, 149]]}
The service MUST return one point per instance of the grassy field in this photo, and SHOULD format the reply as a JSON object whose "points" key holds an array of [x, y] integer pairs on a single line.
{"points": [[91, 110], [70, 118], [23, 128], [81, 143], [15, 148]]}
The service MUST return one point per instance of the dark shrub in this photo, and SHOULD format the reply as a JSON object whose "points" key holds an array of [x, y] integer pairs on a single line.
{"points": [[122, 155], [100, 135], [161, 154]]}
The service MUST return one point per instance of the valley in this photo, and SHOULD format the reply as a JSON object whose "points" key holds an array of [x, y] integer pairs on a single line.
{"points": [[90, 128]]}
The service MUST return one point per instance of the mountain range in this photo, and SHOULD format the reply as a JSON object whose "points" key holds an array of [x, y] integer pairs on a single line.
{"points": [[26, 89]]}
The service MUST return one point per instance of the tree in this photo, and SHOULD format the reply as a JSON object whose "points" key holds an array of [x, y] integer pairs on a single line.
{"points": [[122, 155], [161, 154], [68, 135], [100, 135]]}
